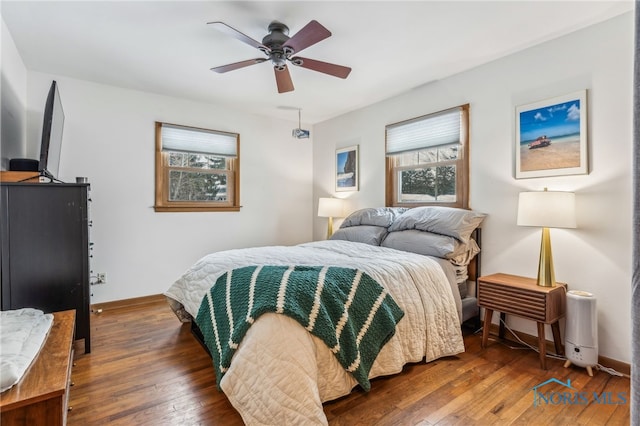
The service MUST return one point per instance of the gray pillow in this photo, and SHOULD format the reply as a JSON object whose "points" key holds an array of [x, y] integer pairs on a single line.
{"points": [[453, 222], [372, 235], [380, 216], [425, 243]]}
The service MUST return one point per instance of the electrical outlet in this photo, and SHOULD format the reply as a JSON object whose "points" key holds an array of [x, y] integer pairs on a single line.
{"points": [[101, 278]]}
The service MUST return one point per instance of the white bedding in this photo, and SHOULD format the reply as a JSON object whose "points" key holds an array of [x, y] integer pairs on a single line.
{"points": [[22, 334], [280, 373]]}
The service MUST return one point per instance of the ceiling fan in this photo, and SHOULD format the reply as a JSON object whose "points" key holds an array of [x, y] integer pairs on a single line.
{"points": [[279, 48]]}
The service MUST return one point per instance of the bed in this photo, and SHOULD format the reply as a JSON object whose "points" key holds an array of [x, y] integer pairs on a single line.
{"points": [[281, 373]]}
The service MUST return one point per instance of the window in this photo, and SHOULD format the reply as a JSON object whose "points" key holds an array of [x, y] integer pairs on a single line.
{"points": [[196, 169], [427, 160]]}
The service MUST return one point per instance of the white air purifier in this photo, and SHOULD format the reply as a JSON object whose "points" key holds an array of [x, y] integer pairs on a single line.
{"points": [[581, 332]]}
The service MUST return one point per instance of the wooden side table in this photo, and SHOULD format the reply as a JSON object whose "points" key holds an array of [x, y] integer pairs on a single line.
{"points": [[521, 296]]}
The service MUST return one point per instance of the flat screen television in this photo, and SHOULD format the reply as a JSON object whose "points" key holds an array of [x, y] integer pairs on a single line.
{"points": [[52, 126]]}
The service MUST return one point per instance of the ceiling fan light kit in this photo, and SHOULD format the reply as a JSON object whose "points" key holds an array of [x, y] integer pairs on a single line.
{"points": [[279, 48]]}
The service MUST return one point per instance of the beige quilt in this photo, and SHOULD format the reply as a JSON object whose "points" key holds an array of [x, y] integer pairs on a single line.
{"points": [[280, 373]]}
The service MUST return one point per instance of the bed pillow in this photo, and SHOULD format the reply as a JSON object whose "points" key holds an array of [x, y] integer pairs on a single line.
{"points": [[430, 244], [368, 234], [380, 216], [368, 225], [453, 222], [421, 242]]}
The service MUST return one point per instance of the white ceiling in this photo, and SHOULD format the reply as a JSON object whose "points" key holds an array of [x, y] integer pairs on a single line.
{"points": [[166, 47]]}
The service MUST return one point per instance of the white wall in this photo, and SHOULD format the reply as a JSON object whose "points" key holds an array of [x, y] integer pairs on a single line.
{"points": [[13, 95], [596, 257], [109, 137]]}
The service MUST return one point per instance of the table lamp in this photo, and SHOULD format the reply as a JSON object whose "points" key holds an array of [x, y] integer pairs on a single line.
{"points": [[547, 209], [330, 207]]}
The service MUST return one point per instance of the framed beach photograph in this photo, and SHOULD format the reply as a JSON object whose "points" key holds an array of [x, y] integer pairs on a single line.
{"points": [[551, 137], [347, 169]]}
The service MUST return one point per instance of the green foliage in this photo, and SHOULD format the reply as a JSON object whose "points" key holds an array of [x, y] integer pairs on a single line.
{"points": [[430, 181], [419, 181], [193, 185]]}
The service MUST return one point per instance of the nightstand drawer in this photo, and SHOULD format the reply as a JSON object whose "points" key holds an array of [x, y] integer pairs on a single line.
{"points": [[513, 301], [521, 296]]}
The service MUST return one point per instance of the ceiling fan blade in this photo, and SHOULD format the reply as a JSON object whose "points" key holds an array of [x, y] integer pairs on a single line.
{"points": [[283, 80], [221, 26], [324, 67], [237, 65], [309, 35]]}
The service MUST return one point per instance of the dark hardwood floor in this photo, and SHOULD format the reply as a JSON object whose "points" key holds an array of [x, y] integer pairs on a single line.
{"points": [[145, 368]]}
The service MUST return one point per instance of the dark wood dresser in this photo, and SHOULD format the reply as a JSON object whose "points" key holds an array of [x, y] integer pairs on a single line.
{"points": [[45, 249]]}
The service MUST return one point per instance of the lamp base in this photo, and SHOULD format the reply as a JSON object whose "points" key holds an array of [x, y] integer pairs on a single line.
{"points": [[546, 274], [330, 228]]}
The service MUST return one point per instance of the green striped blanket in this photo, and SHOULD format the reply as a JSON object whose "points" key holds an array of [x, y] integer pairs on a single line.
{"points": [[346, 308]]}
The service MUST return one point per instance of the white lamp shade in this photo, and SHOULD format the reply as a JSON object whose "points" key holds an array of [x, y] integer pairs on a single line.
{"points": [[330, 207], [547, 209]]}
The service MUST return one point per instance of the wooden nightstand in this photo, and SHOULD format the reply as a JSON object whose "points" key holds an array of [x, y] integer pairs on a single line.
{"points": [[521, 296]]}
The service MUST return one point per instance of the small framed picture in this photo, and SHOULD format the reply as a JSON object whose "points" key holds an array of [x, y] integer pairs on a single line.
{"points": [[347, 169], [551, 137]]}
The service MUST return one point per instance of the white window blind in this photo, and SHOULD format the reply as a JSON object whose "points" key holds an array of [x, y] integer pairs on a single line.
{"points": [[436, 129], [201, 141]]}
